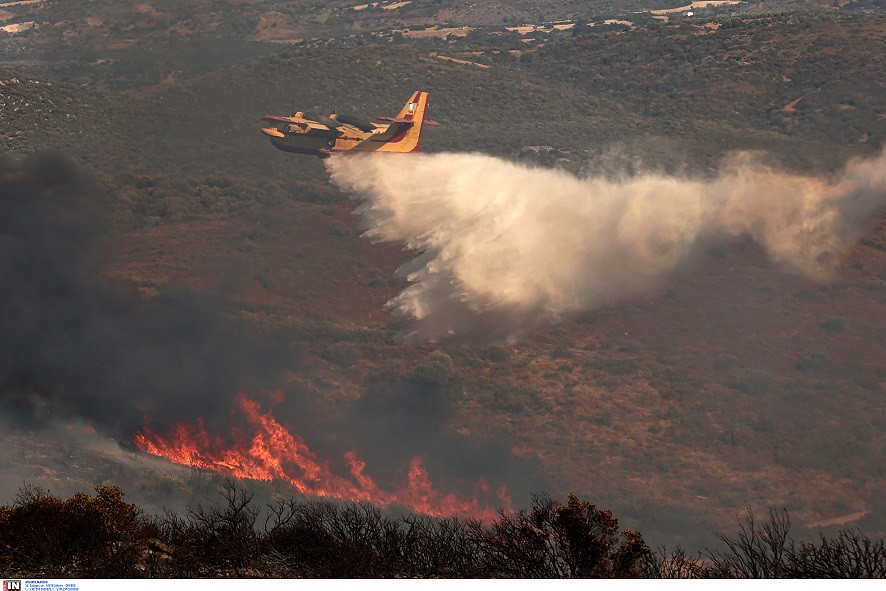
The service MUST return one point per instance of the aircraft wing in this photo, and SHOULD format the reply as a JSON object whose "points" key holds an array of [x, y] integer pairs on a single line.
{"points": [[400, 120], [305, 124]]}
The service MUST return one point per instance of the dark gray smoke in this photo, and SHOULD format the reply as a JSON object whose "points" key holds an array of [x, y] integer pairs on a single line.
{"points": [[396, 421], [75, 345]]}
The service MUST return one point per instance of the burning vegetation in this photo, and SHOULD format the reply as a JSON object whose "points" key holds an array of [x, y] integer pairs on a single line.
{"points": [[271, 452], [81, 346], [782, 421]]}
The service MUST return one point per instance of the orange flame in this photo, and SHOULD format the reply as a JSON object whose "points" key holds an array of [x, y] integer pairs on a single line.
{"points": [[273, 452]]}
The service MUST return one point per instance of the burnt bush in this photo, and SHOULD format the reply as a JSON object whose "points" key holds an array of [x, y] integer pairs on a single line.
{"points": [[552, 540], [220, 541], [85, 536], [321, 539], [102, 536], [766, 550]]}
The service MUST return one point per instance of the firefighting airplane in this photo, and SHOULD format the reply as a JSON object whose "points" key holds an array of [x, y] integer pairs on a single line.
{"points": [[321, 136]]}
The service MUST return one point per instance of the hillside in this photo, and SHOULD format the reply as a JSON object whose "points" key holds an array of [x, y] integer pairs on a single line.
{"points": [[734, 384], [123, 45]]}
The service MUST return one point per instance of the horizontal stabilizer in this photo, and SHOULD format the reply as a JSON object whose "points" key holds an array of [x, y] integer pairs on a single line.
{"points": [[394, 129]]}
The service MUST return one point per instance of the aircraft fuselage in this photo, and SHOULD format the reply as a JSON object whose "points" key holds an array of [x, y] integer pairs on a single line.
{"points": [[322, 136]]}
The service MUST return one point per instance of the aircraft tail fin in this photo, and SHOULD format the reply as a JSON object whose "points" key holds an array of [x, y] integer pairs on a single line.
{"points": [[414, 110], [404, 133]]}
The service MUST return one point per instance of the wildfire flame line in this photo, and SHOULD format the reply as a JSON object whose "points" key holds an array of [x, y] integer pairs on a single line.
{"points": [[273, 452]]}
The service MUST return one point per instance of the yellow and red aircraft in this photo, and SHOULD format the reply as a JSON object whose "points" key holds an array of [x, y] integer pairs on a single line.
{"points": [[321, 136]]}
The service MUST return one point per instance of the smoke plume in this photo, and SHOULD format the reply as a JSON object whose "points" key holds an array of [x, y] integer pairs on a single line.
{"points": [[76, 344], [507, 248], [79, 348]]}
